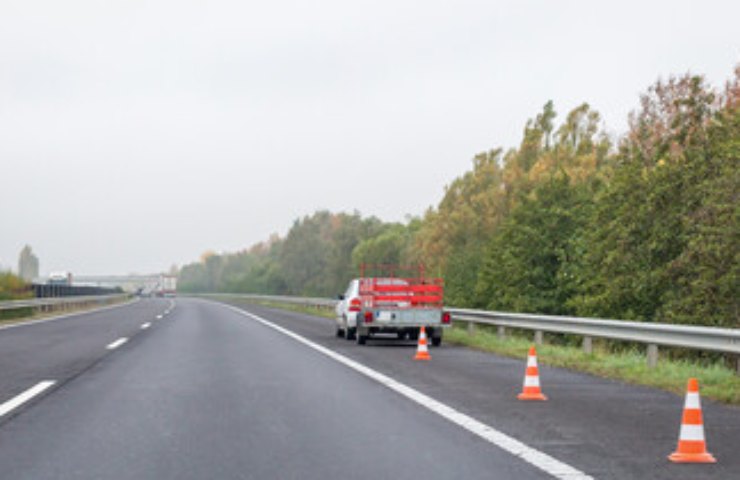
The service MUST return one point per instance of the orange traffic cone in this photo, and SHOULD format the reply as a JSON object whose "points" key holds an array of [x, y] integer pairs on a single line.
{"points": [[422, 352], [692, 447], [531, 389]]}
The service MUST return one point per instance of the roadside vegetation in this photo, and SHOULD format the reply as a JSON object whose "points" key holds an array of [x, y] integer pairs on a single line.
{"points": [[645, 227], [717, 381], [13, 287], [572, 221]]}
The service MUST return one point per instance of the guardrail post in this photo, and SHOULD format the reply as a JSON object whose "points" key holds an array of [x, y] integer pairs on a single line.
{"points": [[538, 337], [588, 345], [652, 355], [501, 332], [471, 328]]}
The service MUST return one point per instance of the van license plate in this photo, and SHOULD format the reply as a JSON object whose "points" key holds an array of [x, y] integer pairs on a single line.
{"points": [[384, 316]]}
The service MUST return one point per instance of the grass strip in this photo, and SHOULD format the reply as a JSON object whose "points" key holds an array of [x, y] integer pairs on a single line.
{"points": [[716, 381]]}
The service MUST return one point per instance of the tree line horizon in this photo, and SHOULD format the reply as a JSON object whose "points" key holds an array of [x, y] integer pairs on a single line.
{"points": [[569, 222]]}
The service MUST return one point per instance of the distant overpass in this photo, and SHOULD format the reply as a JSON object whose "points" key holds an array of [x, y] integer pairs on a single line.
{"points": [[129, 283]]}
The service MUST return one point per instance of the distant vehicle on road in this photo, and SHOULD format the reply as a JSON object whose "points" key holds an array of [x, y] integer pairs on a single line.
{"points": [[380, 302], [167, 286], [60, 278]]}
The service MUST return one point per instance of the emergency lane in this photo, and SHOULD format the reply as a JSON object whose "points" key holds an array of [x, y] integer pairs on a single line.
{"points": [[607, 429]]}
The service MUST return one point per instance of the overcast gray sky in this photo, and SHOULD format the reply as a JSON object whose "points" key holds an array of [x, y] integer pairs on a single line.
{"points": [[138, 134]]}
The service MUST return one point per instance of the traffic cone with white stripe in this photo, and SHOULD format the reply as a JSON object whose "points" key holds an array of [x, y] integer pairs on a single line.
{"points": [[692, 448], [531, 389], [422, 351]]}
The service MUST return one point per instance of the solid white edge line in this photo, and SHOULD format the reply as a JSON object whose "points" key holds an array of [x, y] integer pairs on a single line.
{"points": [[534, 457], [22, 398], [45, 320], [159, 317], [117, 343], [146, 325]]}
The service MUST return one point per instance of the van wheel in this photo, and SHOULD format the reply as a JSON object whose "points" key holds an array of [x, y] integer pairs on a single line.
{"points": [[351, 333], [436, 341], [340, 332], [361, 339]]}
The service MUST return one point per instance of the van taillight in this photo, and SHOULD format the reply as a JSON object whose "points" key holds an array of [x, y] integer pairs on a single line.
{"points": [[368, 316], [446, 317], [354, 305]]}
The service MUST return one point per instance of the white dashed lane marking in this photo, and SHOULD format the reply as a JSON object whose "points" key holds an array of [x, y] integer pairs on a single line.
{"points": [[117, 343], [22, 398]]}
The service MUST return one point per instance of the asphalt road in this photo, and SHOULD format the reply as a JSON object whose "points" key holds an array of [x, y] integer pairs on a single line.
{"points": [[207, 392], [63, 347]]}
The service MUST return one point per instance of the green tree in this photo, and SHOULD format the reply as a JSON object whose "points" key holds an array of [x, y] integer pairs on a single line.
{"points": [[640, 224], [458, 229], [707, 271], [387, 248], [316, 256], [527, 267]]}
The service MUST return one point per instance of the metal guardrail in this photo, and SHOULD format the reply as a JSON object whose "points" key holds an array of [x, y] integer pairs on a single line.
{"points": [[723, 340], [63, 302]]}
